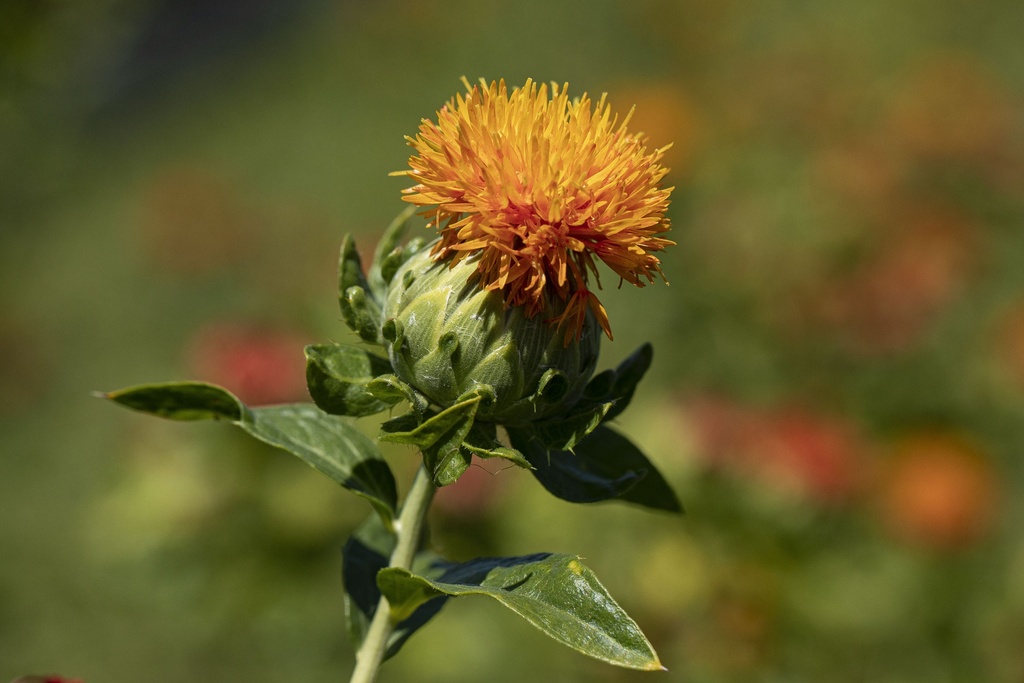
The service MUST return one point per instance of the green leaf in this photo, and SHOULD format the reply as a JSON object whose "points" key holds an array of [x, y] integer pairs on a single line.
{"points": [[333, 447], [605, 465], [555, 593], [439, 437], [391, 390], [408, 429], [365, 553], [604, 398], [181, 401], [567, 431], [389, 240], [404, 597], [390, 264], [329, 444], [361, 314], [350, 268], [618, 386], [482, 441], [338, 375]]}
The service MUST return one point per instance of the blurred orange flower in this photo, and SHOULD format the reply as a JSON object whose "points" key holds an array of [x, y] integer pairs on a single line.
{"points": [[538, 186], [939, 490]]}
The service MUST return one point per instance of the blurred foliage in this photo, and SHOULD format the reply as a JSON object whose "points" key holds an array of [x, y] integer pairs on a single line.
{"points": [[838, 388]]}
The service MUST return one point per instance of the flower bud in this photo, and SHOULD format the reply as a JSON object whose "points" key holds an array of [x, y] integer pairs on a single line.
{"points": [[446, 336]]}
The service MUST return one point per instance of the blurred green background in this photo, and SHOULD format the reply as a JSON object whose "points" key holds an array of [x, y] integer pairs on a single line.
{"points": [[838, 391]]}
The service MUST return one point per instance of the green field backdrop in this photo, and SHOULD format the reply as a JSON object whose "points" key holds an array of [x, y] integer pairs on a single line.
{"points": [[838, 384]]}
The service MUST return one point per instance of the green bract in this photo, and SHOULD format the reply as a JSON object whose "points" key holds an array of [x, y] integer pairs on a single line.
{"points": [[447, 337]]}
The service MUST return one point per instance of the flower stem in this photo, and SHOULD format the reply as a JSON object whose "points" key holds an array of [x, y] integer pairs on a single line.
{"points": [[407, 530]]}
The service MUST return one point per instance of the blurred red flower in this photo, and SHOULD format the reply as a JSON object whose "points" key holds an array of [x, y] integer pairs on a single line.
{"points": [[794, 450], [260, 365]]}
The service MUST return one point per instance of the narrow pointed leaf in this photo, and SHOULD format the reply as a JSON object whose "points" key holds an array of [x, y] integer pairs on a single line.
{"points": [[181, 401], [482, 441], [555, 593], [408, 429], [338, 375], [350, 268], [439, 438], [329, 444]]}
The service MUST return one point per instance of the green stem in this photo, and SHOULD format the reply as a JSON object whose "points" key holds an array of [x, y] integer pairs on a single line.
{"points": [[407, 530]]}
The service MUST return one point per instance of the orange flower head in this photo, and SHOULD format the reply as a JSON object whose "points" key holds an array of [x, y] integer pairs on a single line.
{"points": [[537, 187]]}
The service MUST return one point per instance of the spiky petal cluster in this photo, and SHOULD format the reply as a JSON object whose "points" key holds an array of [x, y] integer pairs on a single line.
{"points": [[539, 186]]}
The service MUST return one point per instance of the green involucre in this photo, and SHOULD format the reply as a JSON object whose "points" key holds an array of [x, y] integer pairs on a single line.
{"points": [[446, 336]]}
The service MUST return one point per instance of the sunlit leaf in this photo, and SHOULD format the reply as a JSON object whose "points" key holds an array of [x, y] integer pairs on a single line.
{"points": [[555, 593], [391, 390], [181, 401]]}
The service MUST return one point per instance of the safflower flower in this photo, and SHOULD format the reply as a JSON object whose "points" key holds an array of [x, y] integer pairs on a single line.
{"points": [[536, 187]]}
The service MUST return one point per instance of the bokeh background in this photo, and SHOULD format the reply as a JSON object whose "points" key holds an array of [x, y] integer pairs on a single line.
{"points": [[838, 390]]}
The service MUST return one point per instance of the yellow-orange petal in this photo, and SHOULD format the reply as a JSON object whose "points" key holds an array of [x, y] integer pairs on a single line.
{"points": [[539, 185]]}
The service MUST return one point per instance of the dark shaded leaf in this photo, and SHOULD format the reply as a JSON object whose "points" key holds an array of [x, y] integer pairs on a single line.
{"points": [[618, 386], [565, 432], [555, 593], [181, 401], [605, 465]]}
